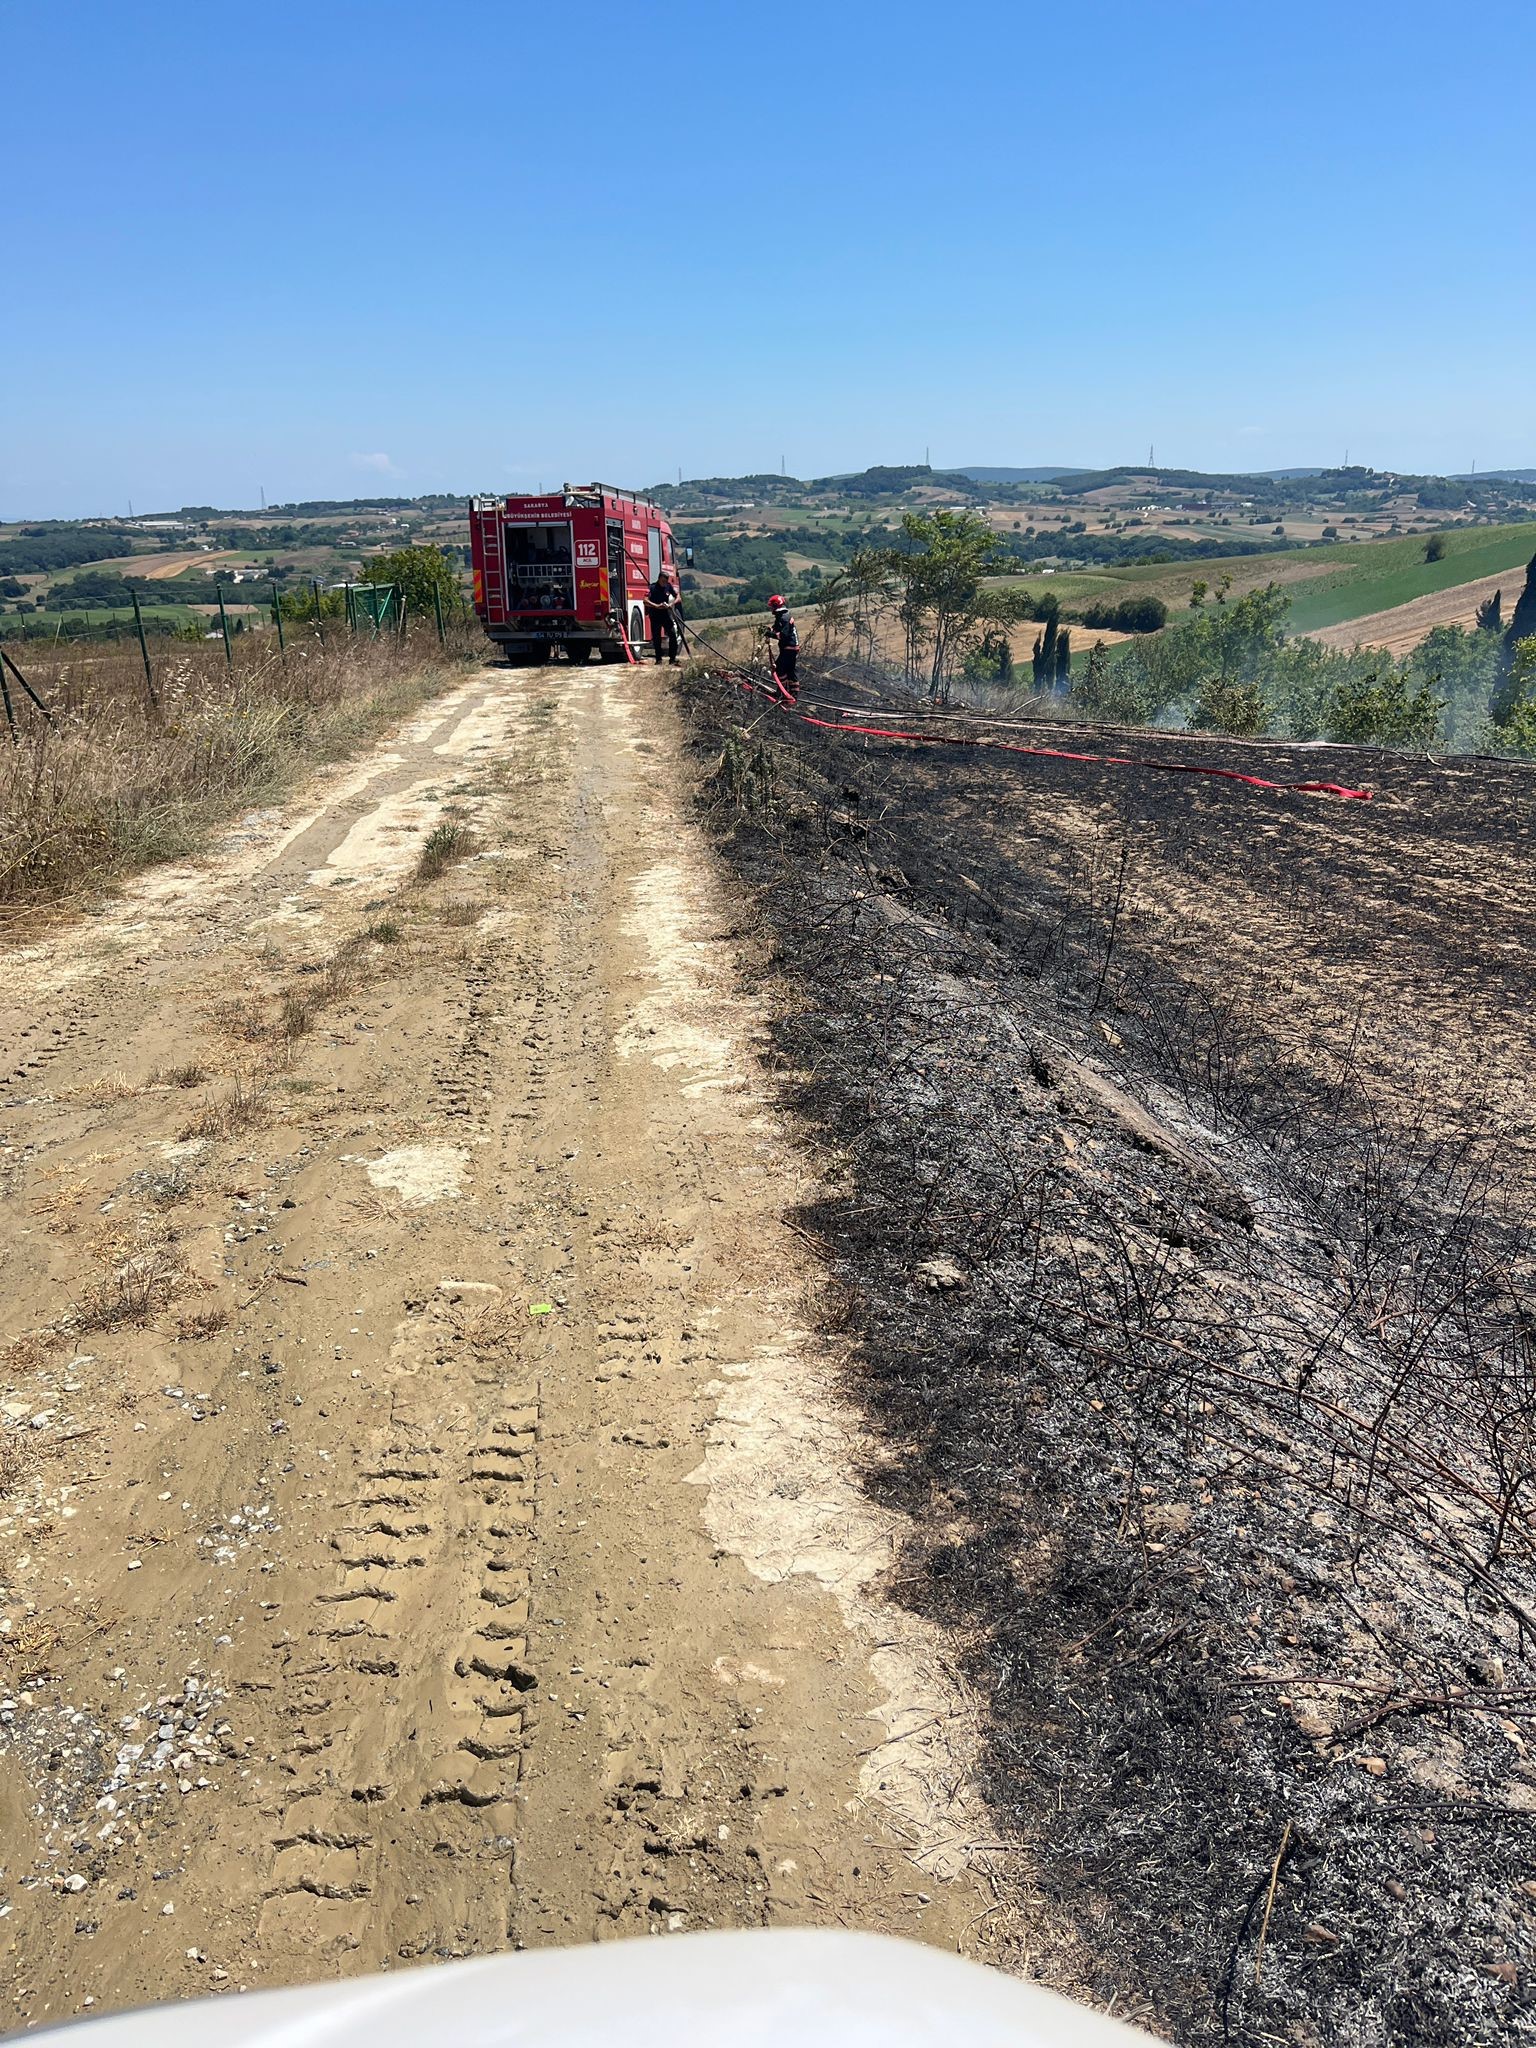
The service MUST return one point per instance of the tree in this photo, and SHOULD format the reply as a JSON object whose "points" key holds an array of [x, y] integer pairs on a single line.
{"points": [[990, 659], [1380, 708], [941, 604], [1224, 704], [1518, 733], [1464, 667], [1044, 663], [866, 581], [1522, 620], [419, 572], [1522, 626], [1145, 614], [1490, 614], [1094, 687], [1115, 690], [1063, 676], [300, 604], [1434, 548]]}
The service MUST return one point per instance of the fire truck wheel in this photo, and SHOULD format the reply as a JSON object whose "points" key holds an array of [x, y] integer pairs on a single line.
{"points": [[636, 627], [577, 651], [609, 650]]}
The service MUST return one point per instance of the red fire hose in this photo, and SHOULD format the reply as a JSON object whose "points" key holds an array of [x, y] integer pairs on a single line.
{"points": [[778, 699]]}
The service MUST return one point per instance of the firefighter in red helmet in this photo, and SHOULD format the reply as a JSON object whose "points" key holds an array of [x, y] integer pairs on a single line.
{"points": [[785, 636]]}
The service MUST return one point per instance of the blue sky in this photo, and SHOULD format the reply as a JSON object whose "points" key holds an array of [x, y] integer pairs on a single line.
{"points": [[329, 249]]}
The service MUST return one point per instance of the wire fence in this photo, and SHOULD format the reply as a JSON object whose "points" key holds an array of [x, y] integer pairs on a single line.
{"points": [[152, 614], [320, 620]]}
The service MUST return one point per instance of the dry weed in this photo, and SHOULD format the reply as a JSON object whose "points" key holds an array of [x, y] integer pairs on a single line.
{"points": [[123, 778], [58, 1210], [298, 1014], [28, 1353], [203, 1323], [18, 1451], [135, 1291], [242, 1020], [192, 1074], [225, 1116], [104, 1090]]}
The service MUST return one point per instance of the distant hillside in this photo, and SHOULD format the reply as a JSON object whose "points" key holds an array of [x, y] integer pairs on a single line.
{"points": [[983, 475]]}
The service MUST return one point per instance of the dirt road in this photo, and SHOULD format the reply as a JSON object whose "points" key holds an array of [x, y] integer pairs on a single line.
{"points": [[424, 1523]]}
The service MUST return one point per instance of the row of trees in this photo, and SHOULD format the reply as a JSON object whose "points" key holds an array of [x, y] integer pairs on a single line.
{"points": [[933, 582], [1227, 666], [1230, 668]]}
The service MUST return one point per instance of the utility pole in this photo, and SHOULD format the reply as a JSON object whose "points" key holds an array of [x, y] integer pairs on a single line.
{"points": [[1151, 455]]}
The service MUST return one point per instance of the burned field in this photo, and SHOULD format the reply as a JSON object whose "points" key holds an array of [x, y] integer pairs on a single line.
{"points": [[1177, 1216]]}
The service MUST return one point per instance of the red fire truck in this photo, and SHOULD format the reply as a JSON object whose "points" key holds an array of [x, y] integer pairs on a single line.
{"points": [[567, 570]]}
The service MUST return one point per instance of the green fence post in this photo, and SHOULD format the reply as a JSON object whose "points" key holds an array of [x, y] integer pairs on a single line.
{"points": [[149, 674], [229, 655], [277, 616], [319, 626], [437, 606]]}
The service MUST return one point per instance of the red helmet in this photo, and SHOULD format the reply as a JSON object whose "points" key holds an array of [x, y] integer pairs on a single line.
{"points": [[775, 604]]}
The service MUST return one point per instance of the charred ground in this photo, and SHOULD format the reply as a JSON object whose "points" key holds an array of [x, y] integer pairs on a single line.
{"points": [[1180, 1180]]}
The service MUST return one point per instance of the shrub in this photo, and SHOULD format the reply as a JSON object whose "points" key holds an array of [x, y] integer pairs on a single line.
{"points": [[1117, 691], [1223, 704], [1381, 709], [1126, 615]]}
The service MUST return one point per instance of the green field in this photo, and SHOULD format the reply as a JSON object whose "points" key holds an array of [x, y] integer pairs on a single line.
{"points": [[1384, 573], [66, 625], [1328, 585]]}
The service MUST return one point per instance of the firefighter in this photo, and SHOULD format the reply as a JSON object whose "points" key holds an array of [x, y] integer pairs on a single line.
{"points": [[660, 605], [785, 635]]}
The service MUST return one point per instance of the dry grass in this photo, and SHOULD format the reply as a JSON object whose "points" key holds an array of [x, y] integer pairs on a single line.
{"points": [[242, 1020], [104, 1090], [18, 1453], [134, 1291], [121, 780], [191, 1074], [226, 1116], [28, 1353], [200, 1325], [297, 1014]]}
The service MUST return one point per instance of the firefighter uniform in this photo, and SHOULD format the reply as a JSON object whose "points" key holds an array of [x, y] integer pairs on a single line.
{"points": [[660, 601], [786, 638]]}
